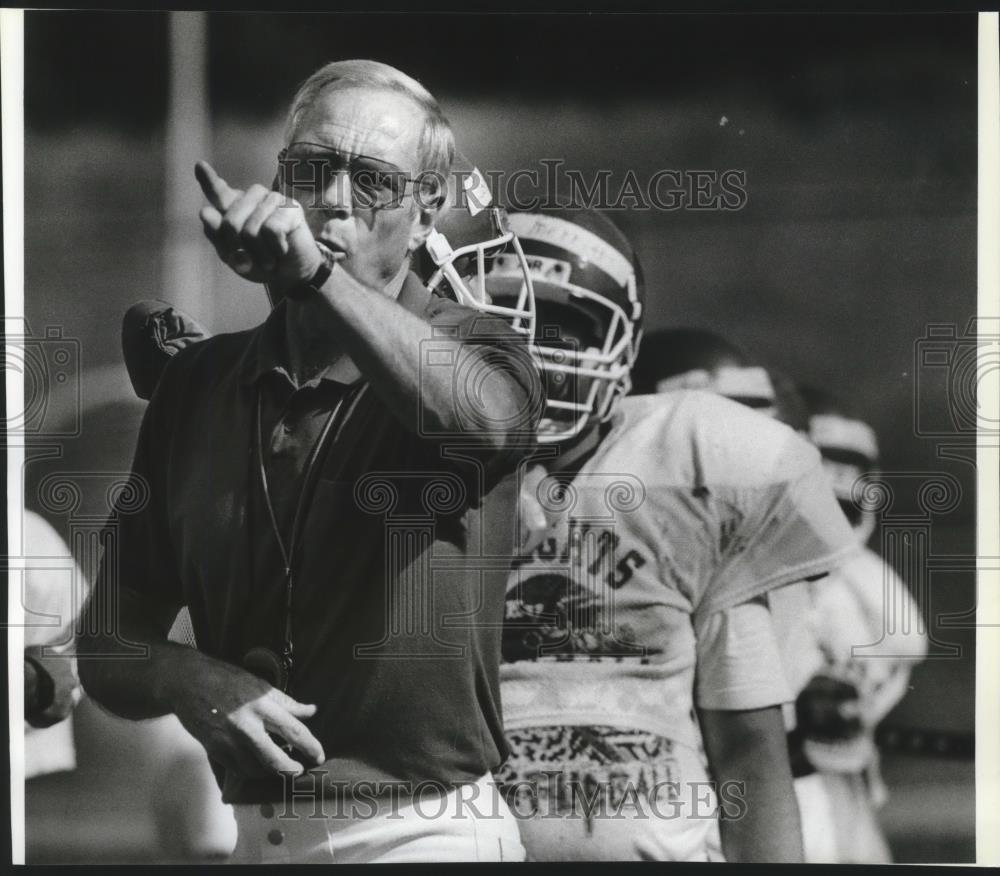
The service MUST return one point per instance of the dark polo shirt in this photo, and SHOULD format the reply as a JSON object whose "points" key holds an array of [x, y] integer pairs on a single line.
{"points": [[400, 568]]}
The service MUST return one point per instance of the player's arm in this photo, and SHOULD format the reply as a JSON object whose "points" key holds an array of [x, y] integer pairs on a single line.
{"points": [[740, 689], [793, 529], [747, 750]]}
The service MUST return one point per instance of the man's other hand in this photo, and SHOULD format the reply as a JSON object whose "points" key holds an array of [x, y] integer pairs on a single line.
{"points": [[232, 713]]}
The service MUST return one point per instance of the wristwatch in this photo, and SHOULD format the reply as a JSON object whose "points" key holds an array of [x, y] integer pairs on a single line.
{"points": [[305, 288]]}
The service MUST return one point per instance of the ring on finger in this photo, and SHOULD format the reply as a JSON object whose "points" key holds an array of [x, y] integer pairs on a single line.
{"points": [[241, 258]]}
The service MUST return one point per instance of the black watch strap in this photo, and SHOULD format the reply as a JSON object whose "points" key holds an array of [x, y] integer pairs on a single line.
{"points": [[306, 288]]}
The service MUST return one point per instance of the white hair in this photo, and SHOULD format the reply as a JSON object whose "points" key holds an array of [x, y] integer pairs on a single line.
{"points": [[437, 143]]}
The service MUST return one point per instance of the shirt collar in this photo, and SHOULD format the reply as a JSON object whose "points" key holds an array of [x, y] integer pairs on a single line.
{"points": [[264, 354], [266, 351]]}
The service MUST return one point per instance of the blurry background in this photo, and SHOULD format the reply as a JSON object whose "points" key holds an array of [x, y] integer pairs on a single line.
{"points": [[858, 139]]}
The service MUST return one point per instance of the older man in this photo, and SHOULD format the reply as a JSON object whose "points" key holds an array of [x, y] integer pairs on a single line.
{"points": [[332, 496]]}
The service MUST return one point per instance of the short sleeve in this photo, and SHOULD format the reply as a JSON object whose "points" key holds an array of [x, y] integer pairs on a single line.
{"points": [[511, 349], [492, 359], [783, 529], [794, 616], [739, 665]]}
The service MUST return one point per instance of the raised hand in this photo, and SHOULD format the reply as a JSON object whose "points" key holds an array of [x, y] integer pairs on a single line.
{"points": [[260, 233]]}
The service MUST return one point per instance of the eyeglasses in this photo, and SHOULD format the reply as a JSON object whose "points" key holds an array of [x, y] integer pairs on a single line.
{"points": [[308, 168]]}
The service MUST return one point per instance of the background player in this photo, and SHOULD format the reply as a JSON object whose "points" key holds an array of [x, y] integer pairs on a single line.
{"points": [[696, 358], [870, 635], [846, 667]]}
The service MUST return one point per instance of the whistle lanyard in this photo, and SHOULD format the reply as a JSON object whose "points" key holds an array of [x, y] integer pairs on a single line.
{"points": [[288, 551]]}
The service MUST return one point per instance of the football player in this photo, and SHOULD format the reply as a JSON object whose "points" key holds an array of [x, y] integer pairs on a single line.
{"points": [[695, 358], [845, 666], [869, 635], [642, 681]]}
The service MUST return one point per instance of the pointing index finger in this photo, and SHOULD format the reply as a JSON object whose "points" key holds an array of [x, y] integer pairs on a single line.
{"points": [[216, 189]]}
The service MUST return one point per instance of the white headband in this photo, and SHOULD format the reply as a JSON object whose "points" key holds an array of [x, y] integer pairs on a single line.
{"points": [[728, 381], [840, 433]]}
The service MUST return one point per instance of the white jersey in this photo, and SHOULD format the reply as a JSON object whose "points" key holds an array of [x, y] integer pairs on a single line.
{"points": [[690, 506], [641, 594]]}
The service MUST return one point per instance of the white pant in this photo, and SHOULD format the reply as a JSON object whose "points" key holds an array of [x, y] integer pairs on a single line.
{"points": [[639, 833], [471, 823], [839, 821]]}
